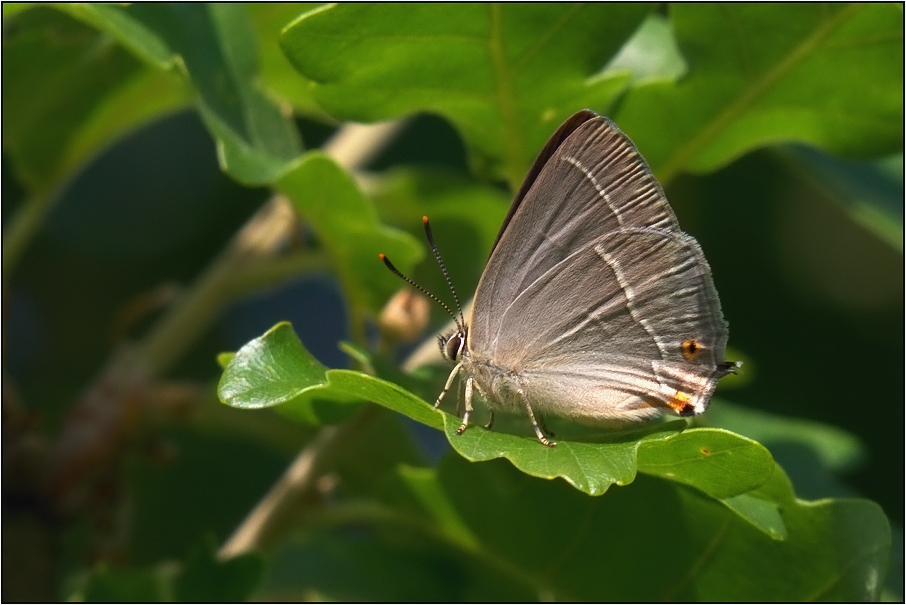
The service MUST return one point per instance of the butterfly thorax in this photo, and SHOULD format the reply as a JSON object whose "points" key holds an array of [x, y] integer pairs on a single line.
{"points": [[498, 386]]}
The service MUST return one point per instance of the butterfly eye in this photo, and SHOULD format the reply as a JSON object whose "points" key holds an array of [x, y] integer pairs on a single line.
{"points": [[691, 348], [451, 346]]}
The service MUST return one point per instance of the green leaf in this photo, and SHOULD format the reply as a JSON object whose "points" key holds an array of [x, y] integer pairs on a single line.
{"points": [[721, 550], [370, 463], [424, 484], [651, 54], [404, 195], [68, 91], [810, 452], [348, 226], [275, 368], [270, 370], [835, 550], [224, 359], [387, 394], [277, 74], [589, 467], [506, 75], [465, 218], [718, 462], [11, 9], [216, 47], [347, 567], [828, 75], [541, 540], [763, 514], [132, 34], [540, 536]]}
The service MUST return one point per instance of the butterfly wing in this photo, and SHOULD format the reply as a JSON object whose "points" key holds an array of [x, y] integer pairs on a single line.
{"points": [[594, 304], [630, 321], [588, 180]]}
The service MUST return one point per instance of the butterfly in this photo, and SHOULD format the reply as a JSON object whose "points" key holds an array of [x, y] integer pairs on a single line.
{"points": [[594, 305]]}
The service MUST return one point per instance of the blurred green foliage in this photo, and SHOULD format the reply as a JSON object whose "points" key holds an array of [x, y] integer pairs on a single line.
{"points": [[139, 139]]}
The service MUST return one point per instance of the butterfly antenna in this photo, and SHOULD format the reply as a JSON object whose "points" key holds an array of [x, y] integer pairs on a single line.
{"points": [[443, 268], [420, 289]]}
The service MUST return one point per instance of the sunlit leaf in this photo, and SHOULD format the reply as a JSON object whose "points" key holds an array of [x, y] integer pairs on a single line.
{"points": [[506, 75], [270, 370], [277, 74], [777, 78], [720, 463]]}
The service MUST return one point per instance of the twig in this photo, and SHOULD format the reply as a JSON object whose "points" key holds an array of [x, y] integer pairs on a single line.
{"points": [[280, 506], [189, 317]]}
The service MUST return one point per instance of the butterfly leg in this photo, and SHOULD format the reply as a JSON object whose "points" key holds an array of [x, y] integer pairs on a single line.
{"points": [[535, 426], [453, 374], [490, 420], [543, 426], [465, 417]]}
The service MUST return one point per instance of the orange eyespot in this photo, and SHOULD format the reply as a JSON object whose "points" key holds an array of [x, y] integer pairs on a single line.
{"points": [[691, 348]]}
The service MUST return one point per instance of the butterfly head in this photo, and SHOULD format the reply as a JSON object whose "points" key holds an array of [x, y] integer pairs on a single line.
{"points": [[453, 345]]}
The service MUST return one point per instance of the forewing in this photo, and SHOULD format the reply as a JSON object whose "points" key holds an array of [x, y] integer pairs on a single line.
{"points": [[591, 183]]}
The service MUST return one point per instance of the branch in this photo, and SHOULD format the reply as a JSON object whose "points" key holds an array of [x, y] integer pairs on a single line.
{"points": [[106, 414], [281, 505]]}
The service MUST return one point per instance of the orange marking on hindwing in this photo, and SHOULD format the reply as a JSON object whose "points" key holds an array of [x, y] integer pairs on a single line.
{"points": [[681, 403]]}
